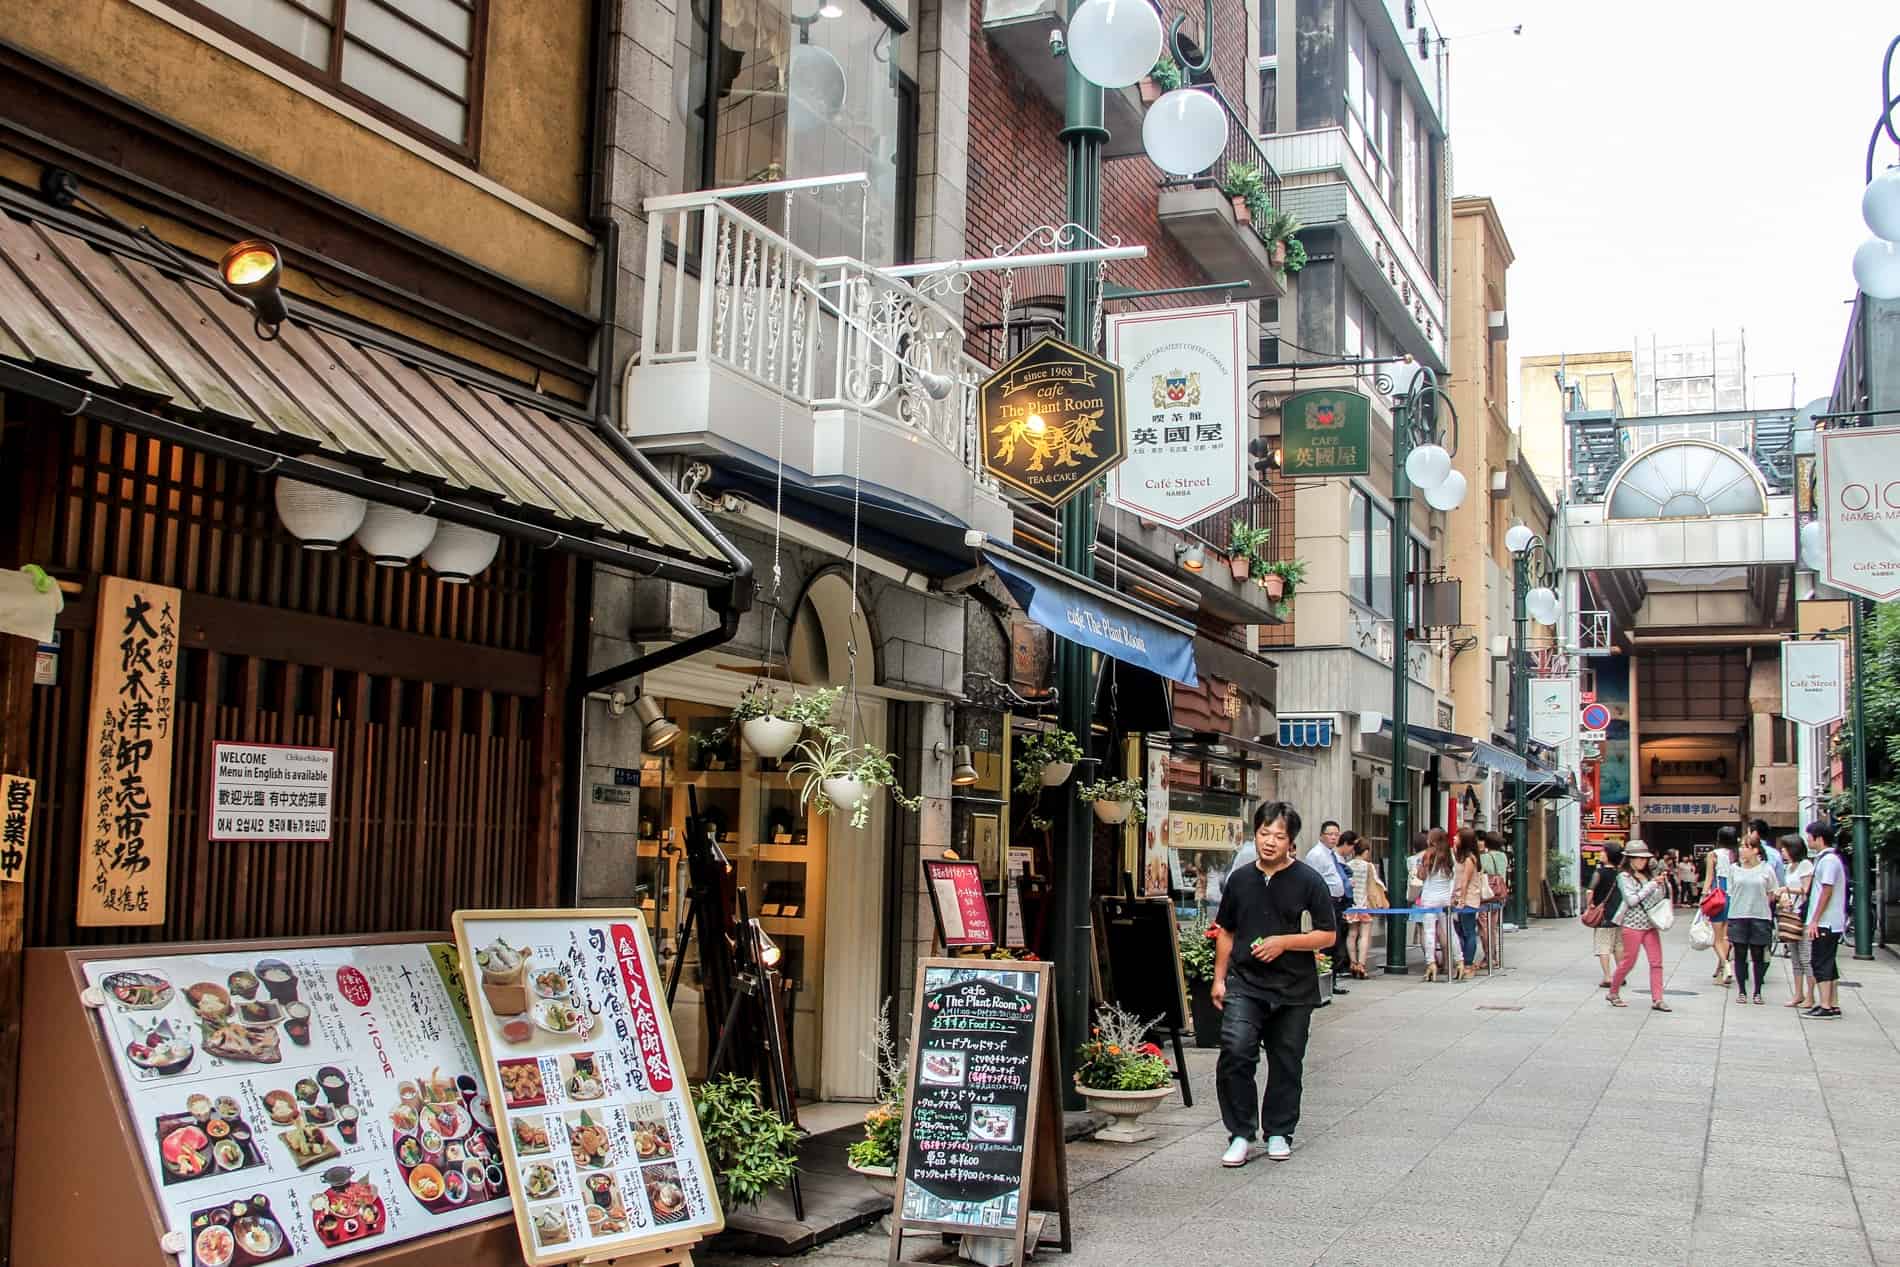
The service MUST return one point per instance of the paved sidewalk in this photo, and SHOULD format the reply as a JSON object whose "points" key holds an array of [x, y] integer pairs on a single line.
{"points": [[1521, 1120]]}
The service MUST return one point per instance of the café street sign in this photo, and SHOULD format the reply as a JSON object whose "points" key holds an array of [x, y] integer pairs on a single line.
{"points": [[1184, 444], [1813, 681], [1050, 421], [1326, 432]]}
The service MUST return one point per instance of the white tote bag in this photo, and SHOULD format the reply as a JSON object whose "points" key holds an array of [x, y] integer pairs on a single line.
{"points": [[1701, 932], [1661, 912]]}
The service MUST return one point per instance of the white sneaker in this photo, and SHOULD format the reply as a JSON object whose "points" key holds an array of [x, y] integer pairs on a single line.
{"points": [[1236, 1154], [1279, 1147]]}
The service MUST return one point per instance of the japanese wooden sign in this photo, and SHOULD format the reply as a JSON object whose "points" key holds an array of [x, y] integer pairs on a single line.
{"points": [[1326, 432], [1051, 420], [16, 826], [127, 834], [958, 900]]}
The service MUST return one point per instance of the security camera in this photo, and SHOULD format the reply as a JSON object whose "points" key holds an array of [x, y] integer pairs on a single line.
{"points": [[1057, 45]]}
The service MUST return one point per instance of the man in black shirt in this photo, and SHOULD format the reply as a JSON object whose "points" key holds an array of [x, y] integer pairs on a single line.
{"points": [[1279, 913]]}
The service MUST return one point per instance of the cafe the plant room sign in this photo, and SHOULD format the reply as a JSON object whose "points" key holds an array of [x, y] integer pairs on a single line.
{"points": [[1051, 421]]}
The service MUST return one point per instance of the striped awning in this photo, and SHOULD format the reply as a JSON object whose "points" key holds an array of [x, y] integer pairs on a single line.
{"points": [[159, 338], [1306, 732]]}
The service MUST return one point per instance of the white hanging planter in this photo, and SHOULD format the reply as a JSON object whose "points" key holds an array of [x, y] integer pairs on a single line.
{"points": [[459, 552], [392, 536], [1112, 811], [1056, 773], [321, 518], [844, 792], [771, 737]]}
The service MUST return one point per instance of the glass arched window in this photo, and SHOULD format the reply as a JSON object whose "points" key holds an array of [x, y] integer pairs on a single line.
{"points": [[1691, 479]]}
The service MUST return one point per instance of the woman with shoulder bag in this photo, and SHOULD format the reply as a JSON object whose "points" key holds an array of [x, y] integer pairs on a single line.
{"points": [[1605, 897], [1643, 902], [1721, 860], [1751, 917], [1367, 892], [1791, 920]]}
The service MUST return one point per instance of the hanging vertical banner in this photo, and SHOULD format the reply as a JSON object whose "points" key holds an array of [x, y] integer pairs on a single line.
{"points": [[1186, 375], [1813, 681], [127, 828], [1860, 511], [16, 826], [1553, 710]]}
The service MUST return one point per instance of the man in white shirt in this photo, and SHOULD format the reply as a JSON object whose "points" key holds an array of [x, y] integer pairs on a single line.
{"points": [[1827, 921], [1324, 858]]}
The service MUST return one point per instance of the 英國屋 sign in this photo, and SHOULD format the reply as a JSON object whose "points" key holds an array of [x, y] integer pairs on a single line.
{"points": [[1860, 510], [1187, 367], [1326, 432], [1051, 420], [1813, 681]]}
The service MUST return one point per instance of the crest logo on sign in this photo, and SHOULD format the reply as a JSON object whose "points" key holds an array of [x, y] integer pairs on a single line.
{"points": [[1177, 388]]}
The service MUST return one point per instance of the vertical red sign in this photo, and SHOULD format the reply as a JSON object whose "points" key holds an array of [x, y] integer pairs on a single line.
{"points": [[646, 1022]]}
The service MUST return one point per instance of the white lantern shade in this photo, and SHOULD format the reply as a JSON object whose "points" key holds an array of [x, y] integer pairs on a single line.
{"points": [[459, 552], [1880, 204], [1427, 466], [321, 518], [1812, 545], [1115, 42], [1542, 605], [1877, 269], [1518, 537], [392, 536], [1450, 493], [1184, 132], [816, 81]]}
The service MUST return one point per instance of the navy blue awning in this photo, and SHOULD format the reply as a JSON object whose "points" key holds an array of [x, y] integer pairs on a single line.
{"points": [[1095, 616]]}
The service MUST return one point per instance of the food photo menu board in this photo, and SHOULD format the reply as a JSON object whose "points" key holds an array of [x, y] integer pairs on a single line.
{"points": [[597, 1125], [306, 1106]]}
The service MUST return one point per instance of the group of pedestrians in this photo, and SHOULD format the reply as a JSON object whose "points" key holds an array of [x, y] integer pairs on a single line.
{"points": [[1462, 874]]}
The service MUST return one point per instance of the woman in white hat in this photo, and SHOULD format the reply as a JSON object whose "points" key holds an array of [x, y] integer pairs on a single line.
{"points": [[1641, 889]]}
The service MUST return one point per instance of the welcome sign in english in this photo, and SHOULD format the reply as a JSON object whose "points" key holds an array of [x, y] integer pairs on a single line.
{"points": [[264, 791]]}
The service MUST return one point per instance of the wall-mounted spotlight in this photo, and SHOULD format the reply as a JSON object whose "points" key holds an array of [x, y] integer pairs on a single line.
{"points": [[253, 270], [1190, 555], [963, 774], [657, 734]]}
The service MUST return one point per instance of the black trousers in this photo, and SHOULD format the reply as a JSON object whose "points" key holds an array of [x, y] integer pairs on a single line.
{"points": [[1340, 906], [1247, 1026]]}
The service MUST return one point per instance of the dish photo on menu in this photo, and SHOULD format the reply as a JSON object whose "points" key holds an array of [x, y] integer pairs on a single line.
{"points": [[138, 991], [549, 1224], [942, 1068], [652, 1141], [238, 1233], [447, 1160], [606, 1210], [208, 1139], [521, 1084], [993, 1123], [531, 1135], [160, 1049], [664, 1192], [588, 1141], [348, 1209], [580, 1076]]}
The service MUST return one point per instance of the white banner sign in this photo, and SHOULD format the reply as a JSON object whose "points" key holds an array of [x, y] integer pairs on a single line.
{"points": [[1813, 681], [1692, 809], [1186, 373], [1553, 710], [267, 791], [1860, 510]]}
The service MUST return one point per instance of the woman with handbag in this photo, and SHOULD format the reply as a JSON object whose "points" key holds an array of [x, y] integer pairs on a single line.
{"points": [[1645, 907], [1600, 913], [1751, 917], [1367, 892], [1721, 860], [1791, 920], [1435, 871], [1497, 873], [1469, 891]]}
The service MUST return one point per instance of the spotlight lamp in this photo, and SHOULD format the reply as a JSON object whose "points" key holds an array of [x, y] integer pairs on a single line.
{"points": [[253, 270], [1191, 555], [963, 774], [657, 733]]}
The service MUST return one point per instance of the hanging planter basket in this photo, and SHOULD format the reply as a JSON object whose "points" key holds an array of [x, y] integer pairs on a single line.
{"points": [[844, 792], [321, 518], [771, 737], [393, 536], [1112, 811], [1056, 773]]}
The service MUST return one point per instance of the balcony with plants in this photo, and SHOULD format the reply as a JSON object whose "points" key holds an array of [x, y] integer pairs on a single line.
{"points": [[1228, 213]]}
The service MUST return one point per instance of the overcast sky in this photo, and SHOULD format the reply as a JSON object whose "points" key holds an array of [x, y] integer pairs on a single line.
{"points": [[1672, 165]]}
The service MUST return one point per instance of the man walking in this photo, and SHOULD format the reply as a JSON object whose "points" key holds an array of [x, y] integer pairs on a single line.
{"points": [[1280, 914], [1330, 859], [1827, 921]]}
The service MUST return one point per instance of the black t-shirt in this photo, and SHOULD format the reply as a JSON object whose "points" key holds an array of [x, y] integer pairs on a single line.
{"points": [[1255, 905]]}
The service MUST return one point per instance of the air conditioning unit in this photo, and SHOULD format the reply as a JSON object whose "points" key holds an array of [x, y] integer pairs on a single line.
{"points": [[1500, 646], [1500, 483], [1497, 324]]}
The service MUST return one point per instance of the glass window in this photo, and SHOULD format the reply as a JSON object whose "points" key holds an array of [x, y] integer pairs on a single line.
{"points": [[791, 96], [1269, 92], [1380, 540], [1352, 333], [1359, 573], [1269, 27], [1355, 59], [414, 61], [1686, 481]]}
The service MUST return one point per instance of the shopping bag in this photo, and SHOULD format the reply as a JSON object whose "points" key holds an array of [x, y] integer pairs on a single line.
{"points": [[1701, 932]]}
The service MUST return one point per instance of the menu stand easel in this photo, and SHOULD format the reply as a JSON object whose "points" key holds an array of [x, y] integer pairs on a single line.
{"points": [[672, 1256]]}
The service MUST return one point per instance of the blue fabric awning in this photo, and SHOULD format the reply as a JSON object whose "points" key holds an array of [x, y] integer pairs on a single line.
{"points": [[1306, 732], [1095, 616]]}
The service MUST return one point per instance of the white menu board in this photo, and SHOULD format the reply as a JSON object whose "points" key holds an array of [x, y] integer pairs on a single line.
{"points": [[602, 1144], [303, 1106]]}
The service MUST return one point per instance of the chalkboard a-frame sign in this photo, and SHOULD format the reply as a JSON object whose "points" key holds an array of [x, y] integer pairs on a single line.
{"points": [[982, 1150]]}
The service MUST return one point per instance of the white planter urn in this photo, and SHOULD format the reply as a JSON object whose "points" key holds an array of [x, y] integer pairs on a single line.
{"points": [[1112, 812], [770, 737], [844, 792], [1126, 1107], [882, 1178], [1056, 773]]}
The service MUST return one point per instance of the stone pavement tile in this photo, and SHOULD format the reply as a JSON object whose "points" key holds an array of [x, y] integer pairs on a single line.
{"points": [[1822, 1162], [1782, 1246], [1642, 1238], [1613, 1193], [1390, 1242], [1253, 1241], [1886, 1253]]}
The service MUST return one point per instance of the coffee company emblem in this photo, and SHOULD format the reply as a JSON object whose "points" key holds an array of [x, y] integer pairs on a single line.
{"points": [[1050, 420], [1177, 388]]}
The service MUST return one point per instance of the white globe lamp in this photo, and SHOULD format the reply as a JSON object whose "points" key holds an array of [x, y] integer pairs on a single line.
{"points": [[1812, 545], [816, 81], [1541, 603], [1115, 42], [1427, 466], [1449, 494], [1877, 269], [1880, 204], [1518, 537], [1184, 132]]}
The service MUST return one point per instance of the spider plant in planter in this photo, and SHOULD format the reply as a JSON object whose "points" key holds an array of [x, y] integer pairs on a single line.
{"points": [[1115, 799], [1165, 77], [1046, 758], [770, 724], [839, 776], [1245, 184], [1247, 549]]}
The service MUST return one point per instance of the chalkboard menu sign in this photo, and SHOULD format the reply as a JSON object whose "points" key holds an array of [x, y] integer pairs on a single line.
{"points": [[1144, 958], [979, 1105]]}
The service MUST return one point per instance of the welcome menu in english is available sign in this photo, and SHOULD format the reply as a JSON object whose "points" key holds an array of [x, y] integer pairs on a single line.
{"points": [[271, 792]]}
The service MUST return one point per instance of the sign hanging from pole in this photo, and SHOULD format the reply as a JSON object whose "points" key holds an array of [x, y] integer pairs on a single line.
{"points": [[1326, 432], [1813, 681], [1553, 710], [1185, 448], [1051, 420], [1860, 511]]}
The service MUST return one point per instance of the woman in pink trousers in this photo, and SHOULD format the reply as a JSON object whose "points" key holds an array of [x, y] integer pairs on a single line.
{"points": [[1641, 889]]}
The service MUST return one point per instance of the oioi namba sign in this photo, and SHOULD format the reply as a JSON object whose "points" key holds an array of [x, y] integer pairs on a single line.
{"points": [[1050, 421], [1326, 432], [1813, 681], [1860, 510], [1184, 423]]}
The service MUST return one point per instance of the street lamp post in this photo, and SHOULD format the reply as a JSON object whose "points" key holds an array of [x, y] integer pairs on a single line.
{"points": [[1532, 574], [1417, 458]]}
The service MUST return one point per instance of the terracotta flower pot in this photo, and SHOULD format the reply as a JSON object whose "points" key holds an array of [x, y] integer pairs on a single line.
{"points": [[1279, 254], [770, 737], [1274, 584], [1056, 773], [1240, 565], [1112, 811], [1150, 91], [1127, 1108], [1241, 213]]}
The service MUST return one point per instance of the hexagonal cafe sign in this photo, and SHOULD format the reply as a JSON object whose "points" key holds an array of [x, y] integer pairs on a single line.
{"points": [[1050, 421]]}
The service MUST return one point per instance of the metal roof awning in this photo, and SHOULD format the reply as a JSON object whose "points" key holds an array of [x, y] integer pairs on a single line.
{"points": [[143, 343]]}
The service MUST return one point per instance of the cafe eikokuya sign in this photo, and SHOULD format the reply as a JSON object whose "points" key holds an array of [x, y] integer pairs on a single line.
{"points": [[1326, 432], [1051, 420], [1184, 444]]}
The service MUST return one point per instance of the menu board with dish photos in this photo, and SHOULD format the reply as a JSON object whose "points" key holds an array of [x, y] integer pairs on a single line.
{"points": [[304, 1106], [598, 1131]]}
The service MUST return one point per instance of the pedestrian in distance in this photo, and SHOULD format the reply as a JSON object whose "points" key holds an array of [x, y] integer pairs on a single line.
{"points": [[1280, 915], [1751, 917], [1827, 921], [1470, 890], [1641, 890], [1328, 857], [1715, 876], [1607, 937], [1359, 927], [1435, 876], [1756, 829], [1791, 919], [1688, 891], [1497, 871]]}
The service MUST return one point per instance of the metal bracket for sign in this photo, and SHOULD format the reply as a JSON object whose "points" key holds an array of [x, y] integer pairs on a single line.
{"points": [[1060, 245]]}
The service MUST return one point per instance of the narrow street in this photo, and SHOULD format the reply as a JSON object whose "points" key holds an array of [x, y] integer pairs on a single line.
{"points": [[1521, 1120]]}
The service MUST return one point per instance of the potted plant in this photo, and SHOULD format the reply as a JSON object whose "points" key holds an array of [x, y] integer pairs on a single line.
{"points": [[1122, 1074], [839, 776], [1197, 966], [875, 1156], [1281, 577], [1165, 77], [1115, 799], [1244, 184], [1046, 758], [1247, 549], [751, 1148], [771, 725], [1277, 228]]}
